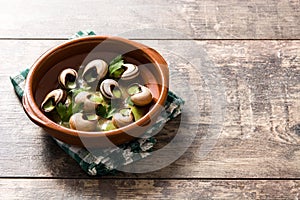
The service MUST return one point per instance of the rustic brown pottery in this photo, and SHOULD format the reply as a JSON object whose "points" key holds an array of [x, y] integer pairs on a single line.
{"points": [[42, 78]]}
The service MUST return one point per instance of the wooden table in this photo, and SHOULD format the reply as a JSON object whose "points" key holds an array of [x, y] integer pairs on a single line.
{"points": [[250, 53]]}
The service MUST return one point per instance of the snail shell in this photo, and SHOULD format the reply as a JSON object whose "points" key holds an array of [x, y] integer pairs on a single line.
{"points": [[142, 95], [84, 98], [94, 71], [123, 118], [52, 99], [78, 121], [67, 79], [131, 71], [109, 88]]}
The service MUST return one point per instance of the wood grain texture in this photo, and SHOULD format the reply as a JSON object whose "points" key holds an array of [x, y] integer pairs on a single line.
{"points": [[242, 98], [258, 135], [146, 189], [209, 19]]}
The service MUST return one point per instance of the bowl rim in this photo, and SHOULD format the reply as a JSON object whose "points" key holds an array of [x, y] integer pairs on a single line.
{"points": [[31, 107]]}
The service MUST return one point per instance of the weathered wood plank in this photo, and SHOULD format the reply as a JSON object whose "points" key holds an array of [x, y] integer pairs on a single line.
{"points": [[260, 131], [150, 189], [243, 19], [209, 19]]}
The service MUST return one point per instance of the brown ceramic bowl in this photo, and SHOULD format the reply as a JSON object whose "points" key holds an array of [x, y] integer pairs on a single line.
{"points": [[42, 78]]}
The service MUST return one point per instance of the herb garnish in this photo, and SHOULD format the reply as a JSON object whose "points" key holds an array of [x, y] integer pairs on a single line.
{"points": [[65, 112], [105, 112], [115, 67]]}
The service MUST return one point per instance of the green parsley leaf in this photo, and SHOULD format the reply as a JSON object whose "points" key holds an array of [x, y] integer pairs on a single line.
{"points": [[105, 111], [115, 67], [101, 110], [110, 112], [62, 111], [116, 60], [65, 112], [118, 73]]}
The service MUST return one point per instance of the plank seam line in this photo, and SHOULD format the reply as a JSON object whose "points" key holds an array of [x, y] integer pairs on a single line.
{"points": [[173, 39], [132, 178]]}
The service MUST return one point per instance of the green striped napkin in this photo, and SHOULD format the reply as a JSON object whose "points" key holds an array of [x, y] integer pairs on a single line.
{"points": [[109, 159]]}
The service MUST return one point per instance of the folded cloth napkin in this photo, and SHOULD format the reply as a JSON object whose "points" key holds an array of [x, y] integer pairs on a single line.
{"points": [[110, 159]]}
